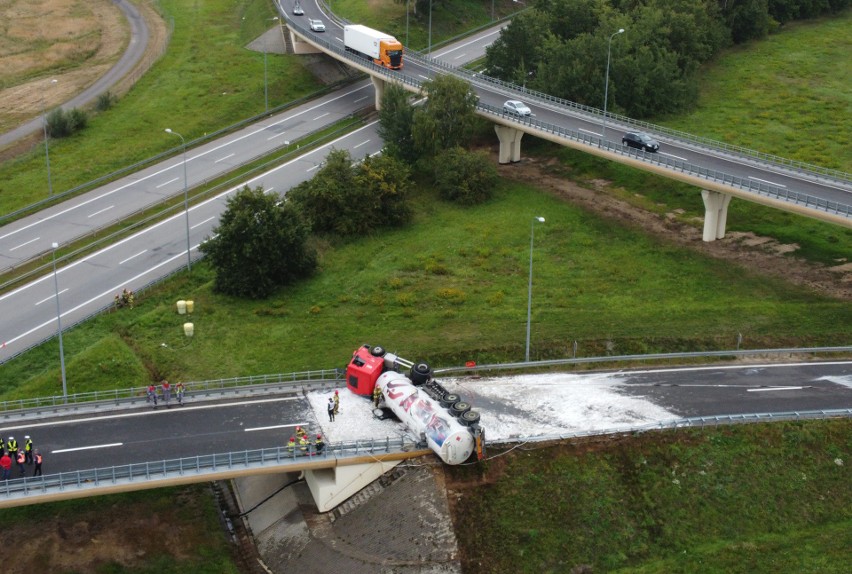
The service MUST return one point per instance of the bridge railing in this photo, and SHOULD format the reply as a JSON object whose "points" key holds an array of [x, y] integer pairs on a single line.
{"points": [[800, 167], [750, 185], [202, 466]]}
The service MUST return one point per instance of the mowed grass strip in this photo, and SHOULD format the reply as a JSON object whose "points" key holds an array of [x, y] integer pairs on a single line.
{"points": [[206, 81], [450, 287], [752, 499]]}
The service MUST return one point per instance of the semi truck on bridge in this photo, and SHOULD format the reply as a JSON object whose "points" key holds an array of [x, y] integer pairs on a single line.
{"points": [[380, 48], [450, 427]]}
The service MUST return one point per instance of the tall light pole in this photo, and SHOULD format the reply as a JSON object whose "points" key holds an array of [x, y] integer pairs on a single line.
{"points": [[46, 140], [185, 199], [429, 49], [265, 82], [529, 287], [59, 322], [407, 10], [606, 82]]}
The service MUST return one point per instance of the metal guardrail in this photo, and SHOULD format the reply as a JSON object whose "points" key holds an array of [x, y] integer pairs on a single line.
{"points": [[201, 466]]}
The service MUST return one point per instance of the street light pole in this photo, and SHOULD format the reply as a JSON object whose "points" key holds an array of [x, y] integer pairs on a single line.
{"points": [[529, 287], [46, 141], [407, 11], [265, 82], [429, 49], [59, 322], [606, 82], [185, 199]]}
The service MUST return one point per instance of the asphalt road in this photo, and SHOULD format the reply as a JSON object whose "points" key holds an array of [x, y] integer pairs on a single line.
{"points": [[147, 435]]}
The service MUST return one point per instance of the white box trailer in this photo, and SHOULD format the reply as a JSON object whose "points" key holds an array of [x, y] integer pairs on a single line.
{"points": [[380, 48]]}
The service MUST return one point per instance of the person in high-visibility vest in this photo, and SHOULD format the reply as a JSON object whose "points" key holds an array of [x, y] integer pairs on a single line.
{"points": [[300, 432], [303, 444], [38, 461], [291, 446], [12, 447], [21, 459], [319, 444], [179, 391], [28, 449]]}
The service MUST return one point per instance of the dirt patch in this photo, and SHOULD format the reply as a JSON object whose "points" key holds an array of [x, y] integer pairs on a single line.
{"points": [[758, 254]]}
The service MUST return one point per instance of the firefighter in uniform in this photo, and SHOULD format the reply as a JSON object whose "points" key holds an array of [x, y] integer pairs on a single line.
{"points": [[303, 444], [377, 396], [291, 446], [319, 444], [12, 447], [28, 449], [336, 403], [301, 433]]}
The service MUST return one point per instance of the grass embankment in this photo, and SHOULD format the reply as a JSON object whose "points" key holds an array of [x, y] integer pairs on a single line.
{"points": [[450, 287], [207, 80], [163, 531], [742, 499]]}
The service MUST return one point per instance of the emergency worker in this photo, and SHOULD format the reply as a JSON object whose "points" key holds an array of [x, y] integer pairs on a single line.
{"points": [[167, 392], [291, 446], [28, 449], [152, 394], [303, 444], [319, 444], [12, 447], [301, 433], [179, 391], [21, 459], [377, 396], [336, 403], [38, 461]]}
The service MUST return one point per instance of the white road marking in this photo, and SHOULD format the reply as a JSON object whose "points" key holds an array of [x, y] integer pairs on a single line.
{"points": [[148, 411], [766, 181], [312, 168], [460, 56], [23, 244], [674, 156], [424, 77], [167, 183], [203, 222], [101, 211], [359, 99], [94, 446], [224, 158], [275, 136], [589, 132], [360, 144], [775, 389], [275, 427], [474, 41], [726, 368], [132, 256], [321, 116], [51, 297]]}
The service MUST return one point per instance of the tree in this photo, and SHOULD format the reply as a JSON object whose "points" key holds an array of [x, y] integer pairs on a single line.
{"points": [[447, 118], [395, 121], [259, 245], [465, 177]]}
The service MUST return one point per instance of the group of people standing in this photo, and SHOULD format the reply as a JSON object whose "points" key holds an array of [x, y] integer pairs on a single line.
{"points": [[22, 455], [166, 390], [301, 441]]}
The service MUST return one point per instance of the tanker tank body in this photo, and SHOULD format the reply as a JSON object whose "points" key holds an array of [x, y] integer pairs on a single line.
{"points": [[450, 440]]}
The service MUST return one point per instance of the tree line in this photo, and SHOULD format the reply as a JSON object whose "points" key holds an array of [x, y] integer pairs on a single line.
{"points": [[561, 47]]}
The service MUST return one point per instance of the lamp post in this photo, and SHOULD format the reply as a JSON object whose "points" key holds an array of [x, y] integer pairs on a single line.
{"points": [[59, 322], [606, 82], [407, 10], [265, 82], [46, 140], [429, 49], [185, 199], [529, 287]]}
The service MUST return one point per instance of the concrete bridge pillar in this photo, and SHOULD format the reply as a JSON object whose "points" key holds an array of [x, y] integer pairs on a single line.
{"points": [[715, 214], [379, 88], [300, 46], [510, 143]]}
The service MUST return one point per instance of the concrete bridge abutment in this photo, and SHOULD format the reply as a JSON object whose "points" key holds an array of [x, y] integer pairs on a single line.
{"points": [[379, 89], [510, 143], [715, 214]]}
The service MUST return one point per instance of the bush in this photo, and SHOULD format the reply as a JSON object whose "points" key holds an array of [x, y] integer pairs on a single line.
{"points": [[61, 124], [465, 177], [105, 101]]}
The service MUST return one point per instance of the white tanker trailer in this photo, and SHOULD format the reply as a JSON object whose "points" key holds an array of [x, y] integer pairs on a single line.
{"points": [[446, 422]]}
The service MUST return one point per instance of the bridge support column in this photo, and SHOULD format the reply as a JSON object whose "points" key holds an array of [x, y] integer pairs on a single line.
{"points": [[510, 143], [715, 214], [331, 486], [379, 86], [300, 46]]}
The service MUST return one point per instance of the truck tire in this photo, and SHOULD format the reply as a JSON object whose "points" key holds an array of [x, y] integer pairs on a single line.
{"points": [[420, 373], [449, 400], [459, 408], [378, 351], [469, 418]]}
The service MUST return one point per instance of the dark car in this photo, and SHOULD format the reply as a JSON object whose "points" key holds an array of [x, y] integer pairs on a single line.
{"points": [[640, 140]]}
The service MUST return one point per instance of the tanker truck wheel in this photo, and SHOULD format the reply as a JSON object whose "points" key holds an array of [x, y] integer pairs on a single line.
{"points": [[378, 351], [420, 373], [469, 418], [449, 400], [460, 408]]}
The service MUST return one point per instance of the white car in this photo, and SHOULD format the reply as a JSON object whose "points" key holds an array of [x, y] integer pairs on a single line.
{"points": [[517, 108], [316, 25], [297, 10]]}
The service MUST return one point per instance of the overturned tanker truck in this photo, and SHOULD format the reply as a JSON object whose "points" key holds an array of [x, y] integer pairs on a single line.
{"points": [[450, 427]]}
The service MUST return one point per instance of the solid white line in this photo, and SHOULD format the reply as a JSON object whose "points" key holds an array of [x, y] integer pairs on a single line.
{"points": [[51, 297], [473, 41], [674, 156], [148, 411], [766, 181], [730, 367], [224, 158], [101, 211], [275, 427], [203, 222], [321, 116], [360, 144], [87, 447], [167, 183], [132, 256], [589, 132], [27, 243], [775, 389]]}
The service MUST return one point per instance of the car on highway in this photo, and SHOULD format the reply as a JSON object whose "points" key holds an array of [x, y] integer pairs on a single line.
{"points": [[640, 140], [516, 107], [316, 25], [297, 10]]}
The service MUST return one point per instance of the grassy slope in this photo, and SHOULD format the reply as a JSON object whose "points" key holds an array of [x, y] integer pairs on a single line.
{"points": [[451, 287], [750, 499], [207, 80]]}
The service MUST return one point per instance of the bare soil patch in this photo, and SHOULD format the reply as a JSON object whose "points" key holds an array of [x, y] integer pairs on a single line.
{"points": [[758, 254]]}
